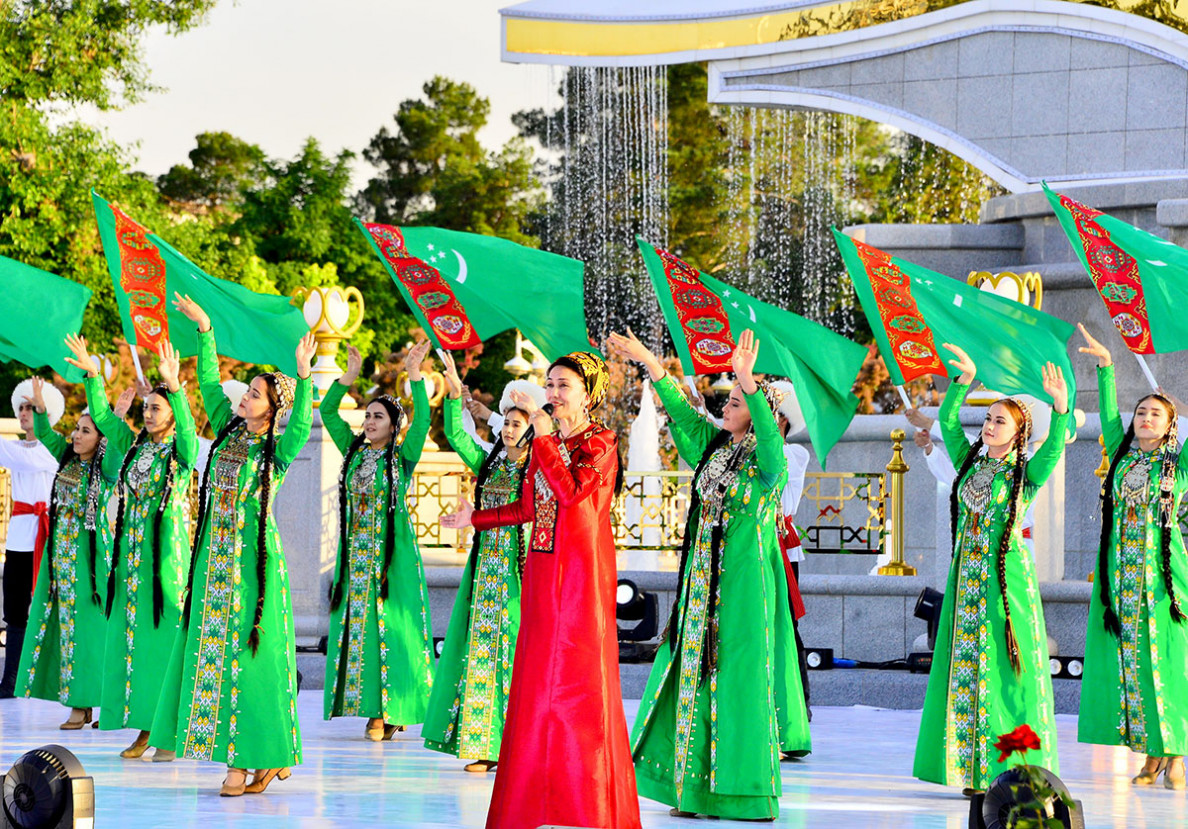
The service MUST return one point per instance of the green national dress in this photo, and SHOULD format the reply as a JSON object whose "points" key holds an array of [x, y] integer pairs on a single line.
{"points": [[974, 695], [220, 701], [708, 735], [137, 646], [62, 658], [469, 699], [379, 655], [1134, 691]]}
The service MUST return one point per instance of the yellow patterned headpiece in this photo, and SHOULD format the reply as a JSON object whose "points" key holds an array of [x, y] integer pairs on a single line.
{"points": [[286, 390], [593, 371]]}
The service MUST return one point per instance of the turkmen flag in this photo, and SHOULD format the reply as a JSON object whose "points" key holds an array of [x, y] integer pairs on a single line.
{"points": [[464, 288], [145, 272], [704, 315], [42, 310], [912, 310], [1142, 279]]}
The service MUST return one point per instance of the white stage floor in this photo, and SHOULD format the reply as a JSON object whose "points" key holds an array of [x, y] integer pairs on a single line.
{"points": [[859, 776]]}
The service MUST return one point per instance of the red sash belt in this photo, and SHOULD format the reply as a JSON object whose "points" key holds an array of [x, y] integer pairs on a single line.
{"points": [[41, 510], [790, 540]]}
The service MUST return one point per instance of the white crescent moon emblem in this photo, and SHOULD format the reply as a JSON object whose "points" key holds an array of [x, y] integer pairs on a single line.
{"points": [[461, 267]]}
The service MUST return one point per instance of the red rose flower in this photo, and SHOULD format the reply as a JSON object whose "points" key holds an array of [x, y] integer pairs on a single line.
{"points": [[1020, 740]]}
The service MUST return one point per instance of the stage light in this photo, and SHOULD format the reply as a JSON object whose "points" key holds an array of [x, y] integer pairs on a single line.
{"points": [[47, 788], [1067, 667], [928, 608], [642, 608], [819, 659]]}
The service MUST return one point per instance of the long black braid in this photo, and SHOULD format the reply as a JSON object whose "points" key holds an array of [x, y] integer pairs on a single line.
{"points": [[204, 510], [1169, 460], [69, 457], [1018, 472], [517, 487], [162, 506], [266, 463]]}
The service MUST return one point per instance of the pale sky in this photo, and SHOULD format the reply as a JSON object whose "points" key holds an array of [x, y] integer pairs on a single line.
{"points": [[274, 72]]}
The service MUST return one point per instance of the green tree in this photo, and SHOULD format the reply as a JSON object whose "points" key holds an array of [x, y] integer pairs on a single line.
{"points": [[221, 168]]}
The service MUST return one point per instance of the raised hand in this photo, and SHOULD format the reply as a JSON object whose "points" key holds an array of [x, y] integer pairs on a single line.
{"points": [[82, 357], [354, 366], [36, 400], [542, 421], [963, 363], [923, 440], [143, 389], [124, 403], [307, 349], [414, 359], [1095, 348], [476, 408], [169, 366], [743, 361], [460, 519], [1055, 385], [918, 419], [191, 310], [453, 381], [631, 348]]}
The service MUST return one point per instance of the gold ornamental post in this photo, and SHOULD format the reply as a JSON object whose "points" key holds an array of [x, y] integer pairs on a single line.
{"points": [[896, 469], [328, 314]]}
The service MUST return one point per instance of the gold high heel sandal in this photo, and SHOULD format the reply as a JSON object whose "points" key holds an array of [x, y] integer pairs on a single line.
{"points": [[71, 724], [480, 766], [1178, 781], [234, 789], [1148, 776], [263, 777], [138, 747]]}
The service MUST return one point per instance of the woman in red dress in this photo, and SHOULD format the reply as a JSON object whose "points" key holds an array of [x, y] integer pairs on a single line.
{"points": [[565, 758]]}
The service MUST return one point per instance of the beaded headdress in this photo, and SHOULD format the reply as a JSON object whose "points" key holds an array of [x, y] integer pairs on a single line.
{"points": [[1026, 409], [593, 371], [286, 391], [772, 394]]}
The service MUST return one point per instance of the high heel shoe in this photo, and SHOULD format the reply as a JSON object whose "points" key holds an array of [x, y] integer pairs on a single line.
{"points": [[263, 777], [1148, 775], [480, 766], [234, 789], [391, 731], [139, 747], [1177, 781], [72, 724]]}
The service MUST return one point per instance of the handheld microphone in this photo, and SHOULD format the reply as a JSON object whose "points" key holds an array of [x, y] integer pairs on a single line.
{"points": [[530, 433]]}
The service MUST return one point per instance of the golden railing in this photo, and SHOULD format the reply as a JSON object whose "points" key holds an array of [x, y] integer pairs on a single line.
{"points": [[839, 511]]}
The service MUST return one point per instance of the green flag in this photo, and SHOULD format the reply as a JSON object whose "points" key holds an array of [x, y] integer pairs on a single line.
{"points": [[704, 316], [146, 271], [913, 310], [42, 309], [464, 288], [1142, 279]]}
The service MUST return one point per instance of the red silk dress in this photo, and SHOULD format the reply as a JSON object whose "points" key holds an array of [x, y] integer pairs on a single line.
{"points": [[565, 757]]}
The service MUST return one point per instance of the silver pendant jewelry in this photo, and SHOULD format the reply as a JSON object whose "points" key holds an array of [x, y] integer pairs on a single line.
{"points": [[1135, 485]]}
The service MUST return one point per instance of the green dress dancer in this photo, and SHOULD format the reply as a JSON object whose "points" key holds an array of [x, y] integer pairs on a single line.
{"points": [[1135, 689], [142, 622], [974, 694], [62, 659], [230, 693], [708, 735], [469, 700], [379, 660]]}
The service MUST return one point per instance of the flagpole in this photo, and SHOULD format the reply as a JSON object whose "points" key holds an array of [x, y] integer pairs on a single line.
{"points": [[1146, 371], [907, 404], [136, 363]]}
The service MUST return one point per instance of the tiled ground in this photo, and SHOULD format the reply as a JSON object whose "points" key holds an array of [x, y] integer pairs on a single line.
{"points": [[858, 776]]}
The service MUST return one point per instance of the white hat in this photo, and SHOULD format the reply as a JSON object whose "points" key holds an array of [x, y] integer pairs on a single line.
{"points": [[235, 390], [1041, 417], [55, 404], [789, 407], [524, 386]]}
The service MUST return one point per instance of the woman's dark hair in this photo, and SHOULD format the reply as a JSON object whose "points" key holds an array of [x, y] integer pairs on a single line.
{"points": [[1169, 460], [267, 461], [162, 506], [709, 658], [396, 415], [1018, 472], [93, 480]]}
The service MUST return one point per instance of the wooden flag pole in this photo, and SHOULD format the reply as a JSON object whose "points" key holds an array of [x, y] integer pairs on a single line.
{"points": [[1146, 371], [907, 404]]}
